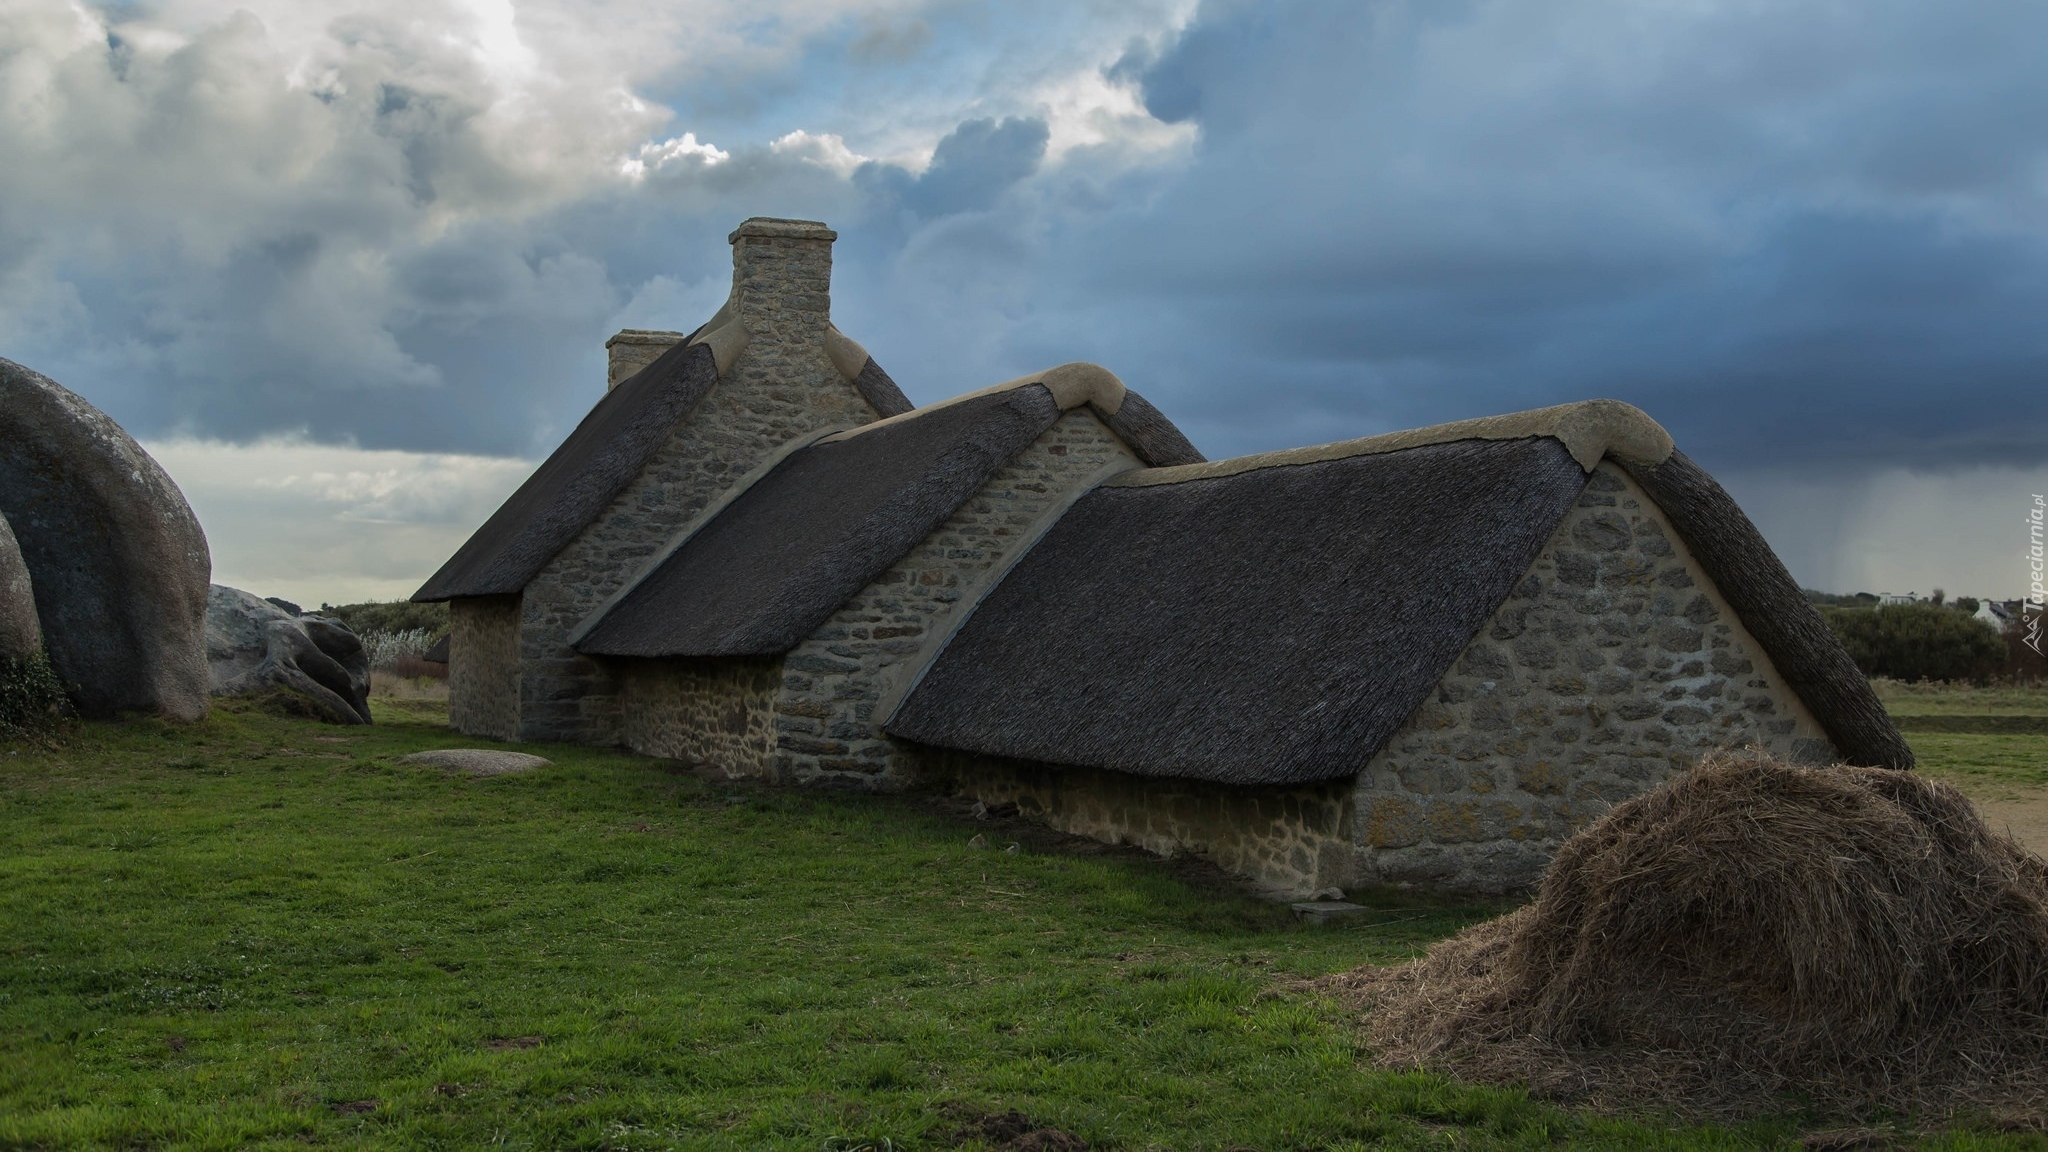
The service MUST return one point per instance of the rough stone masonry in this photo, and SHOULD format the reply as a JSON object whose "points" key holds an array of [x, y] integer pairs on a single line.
{"points": [[783, 385]]}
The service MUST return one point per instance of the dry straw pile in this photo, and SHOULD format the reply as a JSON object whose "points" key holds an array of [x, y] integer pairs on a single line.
{"points": [[1853, 937]]}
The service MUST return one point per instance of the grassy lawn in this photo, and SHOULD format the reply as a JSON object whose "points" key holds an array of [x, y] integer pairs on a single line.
{"points": [[1990, 742], [259, 931], [1910, 701]]}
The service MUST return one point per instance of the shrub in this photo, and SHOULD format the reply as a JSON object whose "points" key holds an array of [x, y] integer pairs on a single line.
{"points": [[390, 616], [2021, 662], [32, 700], [1839, 599], [1918, 642], [387, 649]]}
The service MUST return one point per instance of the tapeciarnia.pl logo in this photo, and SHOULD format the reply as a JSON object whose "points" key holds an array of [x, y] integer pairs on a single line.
{"points": [[2036, 596]]}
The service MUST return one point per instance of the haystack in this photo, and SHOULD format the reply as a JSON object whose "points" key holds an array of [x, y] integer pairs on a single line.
{"points": [[1855, 938]]}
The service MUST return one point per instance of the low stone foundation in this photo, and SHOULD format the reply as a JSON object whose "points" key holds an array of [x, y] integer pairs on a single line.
{"points": [[1292, 842], [709, 713]]}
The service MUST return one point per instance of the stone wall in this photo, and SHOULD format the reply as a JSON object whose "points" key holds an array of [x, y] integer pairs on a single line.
{"points": [[633, 349], [713, 713], [826, 722], [483, 666], [1611, 668], [1292, 842], [780, 387]]}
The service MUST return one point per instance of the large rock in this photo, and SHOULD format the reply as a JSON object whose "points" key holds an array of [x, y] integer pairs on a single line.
{"points": [[119, 563], [21, 633], [254, 647]]}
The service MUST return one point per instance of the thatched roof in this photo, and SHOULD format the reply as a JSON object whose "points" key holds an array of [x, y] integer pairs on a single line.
{"points": [[1264, 626], [1768, 601], [1274, 619], [603, 455], [769, 568], [590, 468], [772, 565]]}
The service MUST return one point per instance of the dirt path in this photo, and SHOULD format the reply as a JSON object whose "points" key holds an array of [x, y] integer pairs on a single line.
{"points": [[2025, 817]]}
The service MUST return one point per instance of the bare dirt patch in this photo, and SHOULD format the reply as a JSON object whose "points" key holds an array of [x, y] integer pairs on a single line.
{"points": [[2024, 818]]}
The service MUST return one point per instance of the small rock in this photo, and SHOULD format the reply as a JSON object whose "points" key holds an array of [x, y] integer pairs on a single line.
{"points": [[1012, 849], [1324, 911], [979, 841], [476, 761]]}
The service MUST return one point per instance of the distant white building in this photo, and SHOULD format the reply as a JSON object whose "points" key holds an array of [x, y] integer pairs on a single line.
{"points": [[1884, 598], [1999, 616]]}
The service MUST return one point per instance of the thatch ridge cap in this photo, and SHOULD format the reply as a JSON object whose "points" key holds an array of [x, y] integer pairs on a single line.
{"points": [[1071, 385], [845, 352], [1589, 430], [724, 334]]}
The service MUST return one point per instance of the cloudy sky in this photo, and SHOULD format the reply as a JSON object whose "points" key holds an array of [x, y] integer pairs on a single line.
{"points": [[347, 266]]}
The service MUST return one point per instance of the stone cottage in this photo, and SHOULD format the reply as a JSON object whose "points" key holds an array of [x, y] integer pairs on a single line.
{"points": [[1423, 658]]}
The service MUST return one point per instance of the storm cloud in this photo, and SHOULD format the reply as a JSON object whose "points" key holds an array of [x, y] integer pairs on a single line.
{"points": [[1811, 238]]}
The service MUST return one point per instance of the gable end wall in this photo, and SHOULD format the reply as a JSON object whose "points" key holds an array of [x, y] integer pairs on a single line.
{"points": [[1611, 668], [826, 722], [779, 388]]}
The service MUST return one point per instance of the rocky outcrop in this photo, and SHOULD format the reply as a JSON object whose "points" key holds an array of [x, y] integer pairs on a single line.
{"points": [[21, 634], [317, 664], [119, 564]]}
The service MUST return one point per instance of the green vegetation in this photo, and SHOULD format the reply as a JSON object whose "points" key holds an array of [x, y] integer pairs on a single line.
{"points": [[1840, 599], [391, 616], [256, 931], [32, 699], [1924, 641], [1909, 702], [1984, 767], [1991, 742]]}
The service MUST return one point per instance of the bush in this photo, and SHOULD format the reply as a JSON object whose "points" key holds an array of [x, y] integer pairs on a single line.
{"points": [[1839, 599], [32, 699], [387, 649], [2021, 662], [1918, 642], [390, 616]]}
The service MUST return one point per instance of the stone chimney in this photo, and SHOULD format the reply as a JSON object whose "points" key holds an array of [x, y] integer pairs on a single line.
{"points": [[782, 281], [633, 349]]}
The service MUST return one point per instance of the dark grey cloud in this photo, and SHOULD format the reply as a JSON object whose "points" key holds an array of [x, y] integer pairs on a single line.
{"points": [[1805, 232], [971, 168], [1797, 232]]}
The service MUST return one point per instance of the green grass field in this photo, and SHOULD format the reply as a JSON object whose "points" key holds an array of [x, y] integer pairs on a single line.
{"points": [[257, 931], [1990, 742]]}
